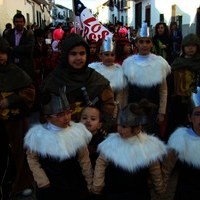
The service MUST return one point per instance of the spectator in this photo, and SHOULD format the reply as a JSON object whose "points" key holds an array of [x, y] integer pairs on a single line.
{"points": [[161, 41], [7, 28], [21, 44], [133, 36], [175, 41], [123, 50]]}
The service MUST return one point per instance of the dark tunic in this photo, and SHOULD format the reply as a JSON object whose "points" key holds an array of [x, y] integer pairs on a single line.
{"points": [[66, 178], [120, 182], [15, 85], [188, 185]]}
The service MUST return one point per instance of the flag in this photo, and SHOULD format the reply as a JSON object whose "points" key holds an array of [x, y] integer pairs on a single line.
{"points": [[87, 25]]}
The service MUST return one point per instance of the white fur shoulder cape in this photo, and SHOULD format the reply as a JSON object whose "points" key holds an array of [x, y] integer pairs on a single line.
{"points": [[113, 73], [147, 70], [133, 153], [58, 144], [186, 145]]}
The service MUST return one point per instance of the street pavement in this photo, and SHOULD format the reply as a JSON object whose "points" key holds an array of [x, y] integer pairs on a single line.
{"points": [[167, 196]]}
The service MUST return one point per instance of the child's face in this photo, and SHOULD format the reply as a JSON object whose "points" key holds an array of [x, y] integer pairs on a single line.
{"points": [[134, 33], [161, 29], [195, 119], [61, 120], [77, 57], [144, 46], [190, 50], [127, 49], [127, 131], [3, 58], [93, 49], [90, 117], [107, 58]]}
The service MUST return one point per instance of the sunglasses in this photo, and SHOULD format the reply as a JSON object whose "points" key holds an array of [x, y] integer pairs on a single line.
{"points": [[141, 41], [61, 114]]}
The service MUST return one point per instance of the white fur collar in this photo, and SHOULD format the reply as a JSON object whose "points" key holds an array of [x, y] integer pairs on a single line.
{"points": [[145, 70], [132, 153], [187, 146], [58, 144], [113, 73]]}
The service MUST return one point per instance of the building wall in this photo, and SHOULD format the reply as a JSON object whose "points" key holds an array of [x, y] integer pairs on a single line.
{"points": [[8, 8], [104, 14], [187, 9], [61, 14]]}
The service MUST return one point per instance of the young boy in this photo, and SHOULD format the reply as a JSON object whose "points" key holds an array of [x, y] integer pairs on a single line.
{"points": [[184, 146], [111, 71], [128, 157], [57, 152], [185, 79], [74, 73], [91, 117]]}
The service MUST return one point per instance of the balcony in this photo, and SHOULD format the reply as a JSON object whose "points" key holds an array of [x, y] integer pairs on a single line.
{"points": [[44, 2], [126, 4]]}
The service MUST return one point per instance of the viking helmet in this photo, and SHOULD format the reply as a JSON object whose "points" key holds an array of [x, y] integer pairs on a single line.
{"points": [[107, 45], [53, 103]]}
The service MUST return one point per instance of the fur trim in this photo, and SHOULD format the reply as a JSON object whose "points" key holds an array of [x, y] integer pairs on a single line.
{"points": [[133, 153], [146, 71], [113, 73], [61, 145], [186, 145]]}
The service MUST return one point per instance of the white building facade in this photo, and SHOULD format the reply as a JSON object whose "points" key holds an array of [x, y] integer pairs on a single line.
{"points": [[61, 14], [133, 12], [38, 11]]}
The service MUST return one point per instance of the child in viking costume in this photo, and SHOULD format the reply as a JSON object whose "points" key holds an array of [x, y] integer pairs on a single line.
{"points": [[184, 152], [146, 74], [57, 152], [129, 157], [111, 71], [17, 95], [74, 73]]}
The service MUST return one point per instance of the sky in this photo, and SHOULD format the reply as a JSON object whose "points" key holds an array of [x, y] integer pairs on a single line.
{"points": [[88, 3]]}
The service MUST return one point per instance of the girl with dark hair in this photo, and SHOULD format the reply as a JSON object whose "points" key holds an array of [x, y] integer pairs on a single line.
{"points": [[129, 157], [161, 42]]}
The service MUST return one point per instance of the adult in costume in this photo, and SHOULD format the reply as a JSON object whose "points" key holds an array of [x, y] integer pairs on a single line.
{"points": [[16, 98]]}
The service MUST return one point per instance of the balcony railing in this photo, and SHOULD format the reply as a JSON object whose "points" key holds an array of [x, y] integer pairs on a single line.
{"points": [[44, 2]]}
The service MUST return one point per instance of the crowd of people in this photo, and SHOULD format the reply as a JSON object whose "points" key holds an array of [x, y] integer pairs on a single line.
{"points": [[105, 119]]}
